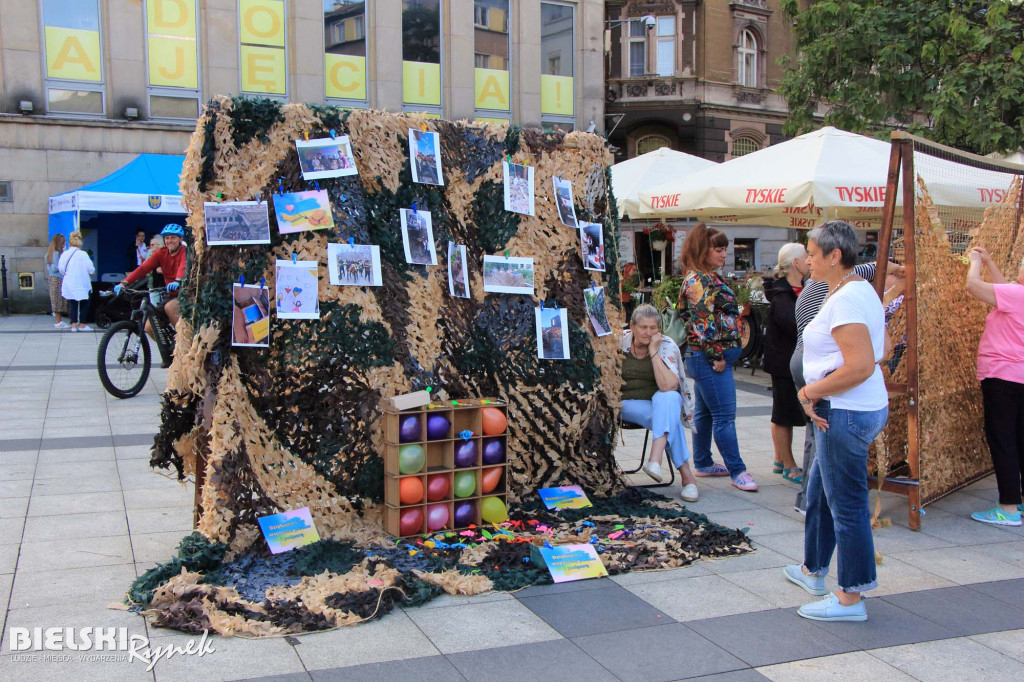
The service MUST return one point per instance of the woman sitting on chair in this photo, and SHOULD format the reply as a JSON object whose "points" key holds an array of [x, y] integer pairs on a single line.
{"points": [[654, 394]]}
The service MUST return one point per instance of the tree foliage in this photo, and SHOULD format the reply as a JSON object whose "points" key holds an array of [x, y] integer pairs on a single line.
{"points": [[949, 70]]}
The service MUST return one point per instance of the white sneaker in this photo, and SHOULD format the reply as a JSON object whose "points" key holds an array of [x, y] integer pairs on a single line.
{"points": [[74, 329], [84, 328], [653, 469], [60, 325], [689, 493]]}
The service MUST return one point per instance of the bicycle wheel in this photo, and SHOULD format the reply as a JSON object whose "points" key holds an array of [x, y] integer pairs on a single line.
{"points": [[123, 360]]}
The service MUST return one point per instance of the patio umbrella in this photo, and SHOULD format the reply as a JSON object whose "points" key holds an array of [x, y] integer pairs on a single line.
{"points": [[648, 170]]}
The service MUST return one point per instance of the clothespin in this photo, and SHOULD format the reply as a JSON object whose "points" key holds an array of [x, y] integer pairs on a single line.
{"points": [[351, 241], [423, 127], [506, 255], [306, 134], [465, 435], [542, 305], [241, 280], [280, 185], [295, 258], [263, 282], [316, 183], [592, 285], [220, 196], [414, 208], [508, 157], [555, 304], [333, 134], [429, 389]]}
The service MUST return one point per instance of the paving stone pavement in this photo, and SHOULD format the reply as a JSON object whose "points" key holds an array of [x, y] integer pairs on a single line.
{"points": [[81, 514]]}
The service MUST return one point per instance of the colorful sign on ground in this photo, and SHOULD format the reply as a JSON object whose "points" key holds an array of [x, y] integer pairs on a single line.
{"points": [[288, 530], [567, 563], [564, 497]]}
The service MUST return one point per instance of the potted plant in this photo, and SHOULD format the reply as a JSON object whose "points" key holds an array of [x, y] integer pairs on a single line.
{"points": [[660, 235], [629, 281]]}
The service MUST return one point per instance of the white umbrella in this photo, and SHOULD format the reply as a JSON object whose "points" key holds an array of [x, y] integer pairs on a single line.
{"points": [[648, 170]]}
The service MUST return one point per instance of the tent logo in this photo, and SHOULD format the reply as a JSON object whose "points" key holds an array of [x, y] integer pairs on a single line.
{"points": [[155, 201]]}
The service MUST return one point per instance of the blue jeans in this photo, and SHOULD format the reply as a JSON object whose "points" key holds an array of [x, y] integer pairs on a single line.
{"points": [[661, 414], [715, 412], [837, 497]]}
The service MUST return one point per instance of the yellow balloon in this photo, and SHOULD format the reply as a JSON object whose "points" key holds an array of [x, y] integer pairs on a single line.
{"points": [[492, 510]]}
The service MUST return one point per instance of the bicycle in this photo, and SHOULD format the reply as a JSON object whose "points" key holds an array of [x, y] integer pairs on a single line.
{"points": [[124, 358]]}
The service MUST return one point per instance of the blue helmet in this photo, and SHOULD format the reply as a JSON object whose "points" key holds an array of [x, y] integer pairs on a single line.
{"points": [[175, 229]]}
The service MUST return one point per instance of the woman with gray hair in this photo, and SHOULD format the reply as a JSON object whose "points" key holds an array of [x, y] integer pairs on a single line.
{"points": [[655, 396], [846, 400]]}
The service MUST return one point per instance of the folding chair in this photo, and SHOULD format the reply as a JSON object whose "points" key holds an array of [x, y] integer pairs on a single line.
{"points": [[629, 426]]}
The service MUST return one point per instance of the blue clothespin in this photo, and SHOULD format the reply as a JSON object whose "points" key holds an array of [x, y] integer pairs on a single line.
{"points": [[295, 258], [280, 185], [542, 305], [333, 134], [592, 285], [547, 544], [316, 183], [555, 304], [414, 208], [465, 435], [263, 282], [241, 280], [351, 241]]}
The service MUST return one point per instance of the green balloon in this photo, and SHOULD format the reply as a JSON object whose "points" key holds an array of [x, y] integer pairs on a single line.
{"points": [[411, 459], [492, 510], [465, 483]]}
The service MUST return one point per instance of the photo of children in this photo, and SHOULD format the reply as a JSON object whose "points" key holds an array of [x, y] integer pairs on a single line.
{"points": [[552, 333], [417, 237], [518, 187], [594, 298], [425, 157], [563, 201], [250, 316], [508, 275], [301, 211], [458, 276], [592, 241], [354, 265], [236, 222], [326, 158], [296, 290]]}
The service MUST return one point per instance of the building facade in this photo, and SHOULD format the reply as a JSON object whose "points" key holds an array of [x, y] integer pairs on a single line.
{"points": [[698, 76], [88, 84]]}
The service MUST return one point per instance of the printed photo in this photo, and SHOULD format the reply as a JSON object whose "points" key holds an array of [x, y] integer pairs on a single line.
{"points": [[508, 275], [458, 275], [425, 157], [518, 187], [354, 265], [250, 316], [301, 211], [326, 158], [563, 200], [592, 240], [297, 285], [236, 222], [594, 298], [417, 237], [552, 333]]}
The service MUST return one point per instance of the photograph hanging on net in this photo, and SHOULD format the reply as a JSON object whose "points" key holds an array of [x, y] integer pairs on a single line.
{"points": [[594, 298], [250, 316], [592, 245], [552, 333], [326, 158], [425, 157], [458, 273], [302, 211], [518, 187], [563, 201], [296, 290], [417, 237], [354, 265], [508, 275], [236, 223]]}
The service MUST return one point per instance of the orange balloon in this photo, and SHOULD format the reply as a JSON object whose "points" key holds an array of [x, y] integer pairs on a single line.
{"points": [[490, 478], [494, 421], [410, 490]]}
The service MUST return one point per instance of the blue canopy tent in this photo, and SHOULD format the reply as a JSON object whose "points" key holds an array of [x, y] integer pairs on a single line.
{"points": [[143, 195]]}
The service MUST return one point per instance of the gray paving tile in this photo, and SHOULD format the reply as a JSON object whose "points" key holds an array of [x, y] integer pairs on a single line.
{"points": [[484, 626], [887, 625], [745, 675], [96, 584], [666, 652], [11, 444], [394, 637], [701, 597], [74, 553], [76, 503], [952, 659], [558, 659], [962, 610], [561, 588], [1009, 591], [410, 669], [293, 677], [587, 612], [74, 526], [781, 636], [857, 666], [1008, 642]]}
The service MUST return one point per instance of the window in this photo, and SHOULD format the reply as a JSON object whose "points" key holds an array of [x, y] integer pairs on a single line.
{"points": [[637, 48], [748, 59], [648, 143], [72, 45], [263, 47], [492, 82], [421, 55], [666, 46], [557, 40], [745, 254], [172, 55], [345, 51], [741, 146], [480, 15], [6, 191]]}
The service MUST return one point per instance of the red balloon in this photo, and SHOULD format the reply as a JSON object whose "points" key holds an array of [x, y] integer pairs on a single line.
{"points": [[411, 522], [437, 516], [490, 478], [437, 487], [410, 490], [494, 421]]}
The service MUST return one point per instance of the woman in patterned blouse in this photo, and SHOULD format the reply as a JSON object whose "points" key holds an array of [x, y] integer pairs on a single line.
{"points": [[712, 347]]}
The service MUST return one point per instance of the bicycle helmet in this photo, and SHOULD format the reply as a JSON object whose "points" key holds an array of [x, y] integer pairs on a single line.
{"points": [[173, 229]]}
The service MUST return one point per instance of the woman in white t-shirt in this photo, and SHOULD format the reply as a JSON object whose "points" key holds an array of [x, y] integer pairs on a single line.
{"points": [[846, 400]]}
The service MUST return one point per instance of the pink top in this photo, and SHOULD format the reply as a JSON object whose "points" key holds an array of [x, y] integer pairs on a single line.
{"points": [[1001, 350]]}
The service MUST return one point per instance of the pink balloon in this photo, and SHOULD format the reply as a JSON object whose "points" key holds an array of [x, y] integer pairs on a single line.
{"points": [[411, 522], [437, 487], [437, 516]]}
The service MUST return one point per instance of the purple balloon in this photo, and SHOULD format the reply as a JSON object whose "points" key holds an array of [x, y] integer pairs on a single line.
{"points": [[465, 454], [465, 514], [494, 450], [437, 427], [409, 429]]}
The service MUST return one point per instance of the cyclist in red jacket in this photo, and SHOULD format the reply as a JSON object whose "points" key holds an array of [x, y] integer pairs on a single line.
{"points": [[171, 261]]}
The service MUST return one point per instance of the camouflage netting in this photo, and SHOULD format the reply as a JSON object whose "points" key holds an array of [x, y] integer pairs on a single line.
{"points": [[298, 424]]}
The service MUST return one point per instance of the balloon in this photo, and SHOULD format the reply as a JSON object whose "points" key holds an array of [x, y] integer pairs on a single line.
{"points": [[437, 516], [438, 487], [492, 510], [411, 521], [465, 454], [494, 421], [409, 429], [494, 450], [437, 427], [465, 514], [465, 483], [490, 478], [411, 459], [410, 490]]}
